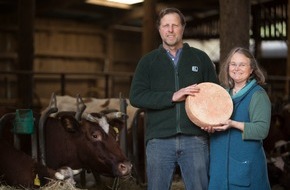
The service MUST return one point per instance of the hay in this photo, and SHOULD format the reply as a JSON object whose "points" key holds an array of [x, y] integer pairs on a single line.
{"points": [[58, 185], [3, 187], [52, 185]]}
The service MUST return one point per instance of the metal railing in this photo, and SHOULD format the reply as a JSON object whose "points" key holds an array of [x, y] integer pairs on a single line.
{"points": [[108, 81]]}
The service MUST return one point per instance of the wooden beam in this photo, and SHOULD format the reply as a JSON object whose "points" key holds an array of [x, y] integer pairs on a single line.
{"points": [[149, 27], [288, 56], [26, 11], [234, 31]]}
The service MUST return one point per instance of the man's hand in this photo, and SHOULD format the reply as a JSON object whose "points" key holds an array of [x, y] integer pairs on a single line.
{"points": [[181, 94]]}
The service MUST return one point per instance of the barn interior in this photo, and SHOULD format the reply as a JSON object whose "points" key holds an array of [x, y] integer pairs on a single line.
{"points": [[91, 47]]}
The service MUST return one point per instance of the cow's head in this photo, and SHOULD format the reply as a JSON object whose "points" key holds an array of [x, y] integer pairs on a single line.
{"points": [[112, 118], [96, 149]]}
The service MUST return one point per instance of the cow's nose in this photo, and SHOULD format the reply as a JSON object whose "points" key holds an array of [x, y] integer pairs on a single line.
{"points": [[125, 168]]}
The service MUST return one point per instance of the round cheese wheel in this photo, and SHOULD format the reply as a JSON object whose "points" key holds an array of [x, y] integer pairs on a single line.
{"points": [[211, 106]]}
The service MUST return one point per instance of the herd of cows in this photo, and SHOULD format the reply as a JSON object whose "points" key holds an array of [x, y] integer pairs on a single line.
{"points": [[84, 135], [72, 142], [277, 146]]}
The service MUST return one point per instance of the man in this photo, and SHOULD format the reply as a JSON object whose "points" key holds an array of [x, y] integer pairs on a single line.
{"points": [[162, 81]]}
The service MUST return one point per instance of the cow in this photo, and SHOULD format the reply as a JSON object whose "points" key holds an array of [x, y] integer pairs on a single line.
{"points": [[276, 132], [286, 115], [279, 127], [20, 170], [94, 105], [105, 106], [114, 118], [279, 165], [6, 109], [82, 144], [136, 145], [276, 146]]}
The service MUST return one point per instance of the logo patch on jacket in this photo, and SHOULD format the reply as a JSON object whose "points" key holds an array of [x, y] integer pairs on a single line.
{"points": [[194, 68]]}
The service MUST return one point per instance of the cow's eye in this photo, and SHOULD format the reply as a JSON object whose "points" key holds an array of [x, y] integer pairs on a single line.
{"points": [[97, 136]]}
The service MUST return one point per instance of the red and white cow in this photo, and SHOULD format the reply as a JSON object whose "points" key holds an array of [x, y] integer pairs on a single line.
{"points": [[20, 170], [80, 144]]}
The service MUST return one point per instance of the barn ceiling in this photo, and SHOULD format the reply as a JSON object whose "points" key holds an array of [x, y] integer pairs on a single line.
{"points": [[194, 10]]}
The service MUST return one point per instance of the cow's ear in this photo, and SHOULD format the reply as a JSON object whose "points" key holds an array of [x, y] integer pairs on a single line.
{"points": [[69, 123]]}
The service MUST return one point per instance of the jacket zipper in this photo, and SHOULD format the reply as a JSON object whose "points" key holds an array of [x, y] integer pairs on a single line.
{"points": [[176, 75]]}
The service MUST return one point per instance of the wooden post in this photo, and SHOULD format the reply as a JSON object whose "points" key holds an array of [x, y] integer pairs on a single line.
{"points": [[26, 10], [234, 25], [109, 61], [288, 53], [149, 36], [257, 33]]}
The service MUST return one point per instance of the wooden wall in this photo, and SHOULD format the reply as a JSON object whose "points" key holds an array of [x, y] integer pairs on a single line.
{"points": [[71, 48]]}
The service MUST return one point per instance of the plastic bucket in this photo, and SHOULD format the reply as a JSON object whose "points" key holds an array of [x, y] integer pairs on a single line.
{"points": [[24, 121]]}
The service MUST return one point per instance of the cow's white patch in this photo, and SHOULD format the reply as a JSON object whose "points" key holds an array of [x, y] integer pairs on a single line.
{"points": [[104, 124], [101, 121], [67, 174]]}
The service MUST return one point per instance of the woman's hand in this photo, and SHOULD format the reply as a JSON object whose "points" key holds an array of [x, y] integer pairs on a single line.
{"points": [[228, 124], [209, 129], [223, 126], [220, 127]]}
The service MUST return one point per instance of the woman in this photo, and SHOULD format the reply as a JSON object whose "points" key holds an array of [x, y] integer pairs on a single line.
{"points": [[237, 158]]}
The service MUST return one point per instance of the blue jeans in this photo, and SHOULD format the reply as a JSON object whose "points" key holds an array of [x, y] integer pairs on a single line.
{"points": [[191, 153]]}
